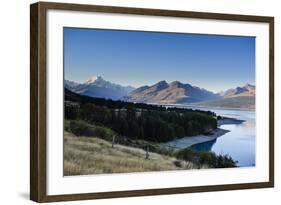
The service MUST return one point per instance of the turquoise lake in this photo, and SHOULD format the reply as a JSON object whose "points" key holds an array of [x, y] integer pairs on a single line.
{"points": [[239, 143]]}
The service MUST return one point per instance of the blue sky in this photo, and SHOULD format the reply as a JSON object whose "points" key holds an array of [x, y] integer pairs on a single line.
{"points": [[133, 58]]}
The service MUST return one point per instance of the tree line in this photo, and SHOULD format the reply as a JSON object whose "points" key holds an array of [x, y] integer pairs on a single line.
{"points": [[138, 120]]}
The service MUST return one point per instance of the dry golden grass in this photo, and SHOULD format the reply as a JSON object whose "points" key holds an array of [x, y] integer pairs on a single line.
{"points": [[84, 155]]}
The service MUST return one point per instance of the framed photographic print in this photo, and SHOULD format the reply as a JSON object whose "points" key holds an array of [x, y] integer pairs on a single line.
{"points": [[134, 102]]}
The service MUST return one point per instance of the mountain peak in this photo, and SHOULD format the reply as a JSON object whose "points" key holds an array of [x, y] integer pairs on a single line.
{"points": [[93, 79], [162, 82], [176, 82], [247, 85], [172, 93], [160, 85], [96, 86], [245, 90]]}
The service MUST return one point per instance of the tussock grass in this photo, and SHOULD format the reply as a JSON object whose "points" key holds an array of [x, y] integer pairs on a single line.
{"points": [[90, 155]]}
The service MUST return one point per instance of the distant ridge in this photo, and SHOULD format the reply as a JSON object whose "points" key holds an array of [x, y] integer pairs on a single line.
{"points": [[240, 97], [170, 93], [246, 90]]}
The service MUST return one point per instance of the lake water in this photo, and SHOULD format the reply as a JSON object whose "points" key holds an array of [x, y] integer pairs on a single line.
{"points": [[239, 143]]}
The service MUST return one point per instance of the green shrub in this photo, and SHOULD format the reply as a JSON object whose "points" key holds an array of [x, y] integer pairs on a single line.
{"points": [[217, 161], [104, 133], [178, 163], [66, 125], [224, 161], [186, 154], [209, 158], [81, 128]]}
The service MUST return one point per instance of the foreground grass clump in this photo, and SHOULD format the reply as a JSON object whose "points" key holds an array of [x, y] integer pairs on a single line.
{"points": [[91, 155]]}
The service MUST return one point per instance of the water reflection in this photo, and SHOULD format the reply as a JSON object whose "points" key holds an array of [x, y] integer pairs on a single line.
{"points": [[206, 146], [239, 143]]}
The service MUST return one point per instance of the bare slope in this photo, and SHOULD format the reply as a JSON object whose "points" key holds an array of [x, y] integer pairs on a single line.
{"points": [[170, 93], [239, 97], [85, 155]]}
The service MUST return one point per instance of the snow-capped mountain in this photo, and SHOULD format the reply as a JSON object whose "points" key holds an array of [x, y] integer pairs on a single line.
{"points": [[93, 79], [70, 84], [96, 86]]}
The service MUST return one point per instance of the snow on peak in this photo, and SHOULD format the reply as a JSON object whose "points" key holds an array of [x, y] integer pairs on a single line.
{"points": [[93, 79], [248, 85]]}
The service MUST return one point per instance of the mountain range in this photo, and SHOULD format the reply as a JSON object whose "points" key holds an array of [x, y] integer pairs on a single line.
{"points": [[98, 87], [246, 90], [239, 97], [170, 93], [166, 93]]}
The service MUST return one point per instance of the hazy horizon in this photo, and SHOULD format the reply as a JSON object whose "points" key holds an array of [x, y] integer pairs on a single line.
{"points": [[157, 82], [131, 58]]}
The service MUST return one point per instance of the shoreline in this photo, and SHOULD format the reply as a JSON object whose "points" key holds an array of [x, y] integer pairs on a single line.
{"points": [[229, 121], [188, 141], [192, 106]]}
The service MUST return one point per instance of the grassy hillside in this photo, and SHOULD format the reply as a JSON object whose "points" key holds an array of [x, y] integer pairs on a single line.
{"points": [[240, 102], [90, 155]]}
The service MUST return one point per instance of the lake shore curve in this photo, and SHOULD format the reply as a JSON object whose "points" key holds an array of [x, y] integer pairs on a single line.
{"points": [[188, 141]]}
